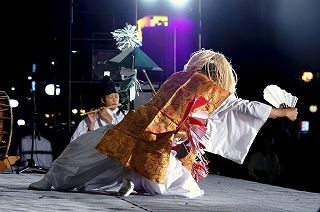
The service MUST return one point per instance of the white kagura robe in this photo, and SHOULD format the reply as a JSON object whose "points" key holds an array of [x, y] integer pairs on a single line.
{"points": [[82, 127], [232, 129], [234, 126]]}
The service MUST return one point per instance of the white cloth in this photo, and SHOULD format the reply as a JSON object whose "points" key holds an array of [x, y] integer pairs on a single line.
{"points": [[102, 178], [179, 181], [234, 126], [82, 127], [80, 161]]}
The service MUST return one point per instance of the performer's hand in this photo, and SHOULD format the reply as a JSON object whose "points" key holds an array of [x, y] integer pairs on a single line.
{"points": [[92, 118], [291, 113]]}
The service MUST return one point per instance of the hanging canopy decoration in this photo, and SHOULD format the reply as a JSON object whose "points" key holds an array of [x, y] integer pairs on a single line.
{"points": [[131, 57]]}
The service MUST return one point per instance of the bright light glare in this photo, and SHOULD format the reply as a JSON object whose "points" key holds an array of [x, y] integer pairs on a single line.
{"points": [[82, 111], [313, 108], [49, 89], [21, 122], [179, 3], [14, 103], [307, 76]]}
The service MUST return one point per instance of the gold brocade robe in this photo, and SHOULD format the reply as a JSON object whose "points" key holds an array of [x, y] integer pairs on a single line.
{"points": [[142, 141]]}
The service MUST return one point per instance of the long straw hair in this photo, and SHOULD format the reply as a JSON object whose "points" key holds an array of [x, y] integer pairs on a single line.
{"points": [[215, 66]]}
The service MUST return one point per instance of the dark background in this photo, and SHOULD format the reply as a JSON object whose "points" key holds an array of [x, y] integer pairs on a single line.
{"points": [[268, 42]]}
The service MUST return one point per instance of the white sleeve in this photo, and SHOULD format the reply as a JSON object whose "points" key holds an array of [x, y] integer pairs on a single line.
{"points": [[81, 129], [234, 126]]}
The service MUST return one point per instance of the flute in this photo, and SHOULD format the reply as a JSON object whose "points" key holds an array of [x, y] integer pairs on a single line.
{"points": [[103, 107]]}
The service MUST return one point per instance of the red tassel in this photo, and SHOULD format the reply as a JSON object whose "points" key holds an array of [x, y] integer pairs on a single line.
{"points": [[198, 127]]}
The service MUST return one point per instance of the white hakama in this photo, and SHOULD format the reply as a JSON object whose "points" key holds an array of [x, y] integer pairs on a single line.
{"points": [[80, 162]]}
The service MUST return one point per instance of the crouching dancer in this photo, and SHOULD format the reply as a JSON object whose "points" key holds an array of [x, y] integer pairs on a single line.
{"points": [[139, 151]]}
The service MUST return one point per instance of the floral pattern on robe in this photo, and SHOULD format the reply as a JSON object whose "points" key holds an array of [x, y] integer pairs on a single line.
{"points": [[142, 141]]}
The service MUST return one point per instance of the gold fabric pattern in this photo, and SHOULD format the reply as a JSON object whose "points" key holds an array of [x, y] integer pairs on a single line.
{"points": [[188, 160], [142, 141]]}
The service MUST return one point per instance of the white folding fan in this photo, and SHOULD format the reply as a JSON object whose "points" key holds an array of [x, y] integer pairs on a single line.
{"points": [[278, 97]]}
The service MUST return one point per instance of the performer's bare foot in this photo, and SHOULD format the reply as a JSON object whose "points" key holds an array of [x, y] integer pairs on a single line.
{"points": [[41, 185]]}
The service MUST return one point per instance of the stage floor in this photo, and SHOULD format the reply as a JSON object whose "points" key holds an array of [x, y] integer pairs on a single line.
{"points": [[221, 194]]}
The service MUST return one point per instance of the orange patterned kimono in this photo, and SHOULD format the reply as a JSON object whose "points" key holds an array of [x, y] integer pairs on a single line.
{"points": [[142, 141]]}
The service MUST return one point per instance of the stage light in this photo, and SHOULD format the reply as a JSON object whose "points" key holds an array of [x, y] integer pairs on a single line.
{"points": [[14, 103], [82, 111], [33, 85], [74, 111], [49, 89], [34, 68], [149, 1], [21, 122], [13, 88], [179, 3], [307, 76], [313, 108]]}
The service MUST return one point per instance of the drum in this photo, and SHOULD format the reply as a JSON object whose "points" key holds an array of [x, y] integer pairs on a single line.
{"points": [[6, 124]]}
